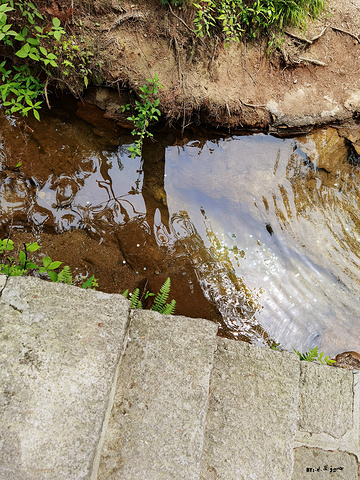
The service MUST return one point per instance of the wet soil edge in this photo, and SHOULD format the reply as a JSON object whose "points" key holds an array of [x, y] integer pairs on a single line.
{"points": [[231, 89]]}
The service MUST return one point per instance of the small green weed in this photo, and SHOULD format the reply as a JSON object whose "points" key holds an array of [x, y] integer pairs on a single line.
{"points": [[313, 356], [15, 267], [146, 111], [235, 17], [20, 85], [160, 301], [45, 52], [91, 282]]}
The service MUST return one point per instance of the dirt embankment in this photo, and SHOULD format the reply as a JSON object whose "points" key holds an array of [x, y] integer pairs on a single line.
{"points": [[315, 80]]}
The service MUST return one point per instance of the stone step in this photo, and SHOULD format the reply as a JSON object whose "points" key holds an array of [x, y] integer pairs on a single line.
{"points": [[60, 348], [252, 415], [157, 424], [178, 404]]}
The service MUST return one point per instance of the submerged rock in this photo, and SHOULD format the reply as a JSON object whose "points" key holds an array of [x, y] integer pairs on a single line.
{"points": [[349, 360]]}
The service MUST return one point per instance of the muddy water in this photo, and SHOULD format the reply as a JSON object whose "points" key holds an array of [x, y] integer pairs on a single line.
{"points": [[257, 233]]}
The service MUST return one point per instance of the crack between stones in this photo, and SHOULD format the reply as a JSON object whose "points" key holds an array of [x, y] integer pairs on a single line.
{"points": [[5, 285]]}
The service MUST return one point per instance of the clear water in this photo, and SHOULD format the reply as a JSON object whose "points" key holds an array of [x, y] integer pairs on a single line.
{"points": [[269, 227], [297, 229]]}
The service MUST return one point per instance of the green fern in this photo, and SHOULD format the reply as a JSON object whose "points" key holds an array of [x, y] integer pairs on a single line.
{"points": [[65, 276], [134, 298], [169, 308], [159, 304], [313, 356], [309, 356], [161, 297]]}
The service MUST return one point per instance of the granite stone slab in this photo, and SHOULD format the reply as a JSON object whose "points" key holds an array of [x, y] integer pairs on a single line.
{"points": [[252, 415], [327, 396], [59, 351], [157, 423]]}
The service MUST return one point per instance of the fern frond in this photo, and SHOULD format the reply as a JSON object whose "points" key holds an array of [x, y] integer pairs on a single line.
{"points": [[161, 297], [169, 308], [159, 304], [328, 360], [309, 356], [65, 276], [325, 360], [313, 356], [135, 298]]}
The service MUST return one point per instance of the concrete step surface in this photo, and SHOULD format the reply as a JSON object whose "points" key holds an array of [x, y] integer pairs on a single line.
{"points": [[92, 390]]}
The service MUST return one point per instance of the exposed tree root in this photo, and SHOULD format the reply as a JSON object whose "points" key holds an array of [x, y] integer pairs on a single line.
{"points": [[346, 32]]}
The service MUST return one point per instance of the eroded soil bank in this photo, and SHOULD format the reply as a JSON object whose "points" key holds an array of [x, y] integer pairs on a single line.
{"points": [[309, 83]]}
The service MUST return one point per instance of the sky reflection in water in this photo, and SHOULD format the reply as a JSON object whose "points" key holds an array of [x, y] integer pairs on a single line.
{"points": [[296, 224]]}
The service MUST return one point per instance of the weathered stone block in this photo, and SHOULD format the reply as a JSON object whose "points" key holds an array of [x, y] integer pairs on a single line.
{"points": [[326, 399], [252, 414], [157, 423], [59, 350]]}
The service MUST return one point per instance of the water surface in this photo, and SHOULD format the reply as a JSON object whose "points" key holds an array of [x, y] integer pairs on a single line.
{"points": [[258, 233]]}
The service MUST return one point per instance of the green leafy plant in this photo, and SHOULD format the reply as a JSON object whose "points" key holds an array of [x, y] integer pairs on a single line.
{"points": [[74, 59], [11, 266], [160, 301], [20, 85], [45, 52], [65, 276], [146, 111], [313, 356], [22, 265], [160, 304], [91, 283], [205, 19], [235, 17], [134, 298]]}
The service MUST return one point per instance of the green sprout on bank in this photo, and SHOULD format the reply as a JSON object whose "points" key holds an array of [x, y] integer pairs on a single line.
{"points": [[235, 18], [313, 356], [146, 111], [34, 51]]}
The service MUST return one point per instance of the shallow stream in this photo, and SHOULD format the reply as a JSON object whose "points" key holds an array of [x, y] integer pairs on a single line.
{"points": [[258, 233]]}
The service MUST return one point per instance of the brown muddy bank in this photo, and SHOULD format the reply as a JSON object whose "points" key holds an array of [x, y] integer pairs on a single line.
{"points": [[310, 82]]}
